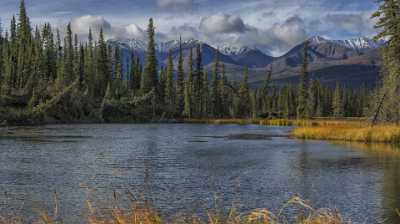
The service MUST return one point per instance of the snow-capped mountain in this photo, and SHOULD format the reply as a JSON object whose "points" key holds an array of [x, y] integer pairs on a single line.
{"points": [[356, 59], [174, 45], [133, 44], [137, 45], [360, 43], [246, 56], [234, 50]]}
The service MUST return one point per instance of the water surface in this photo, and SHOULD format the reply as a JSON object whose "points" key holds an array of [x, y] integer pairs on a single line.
{"points": [[187, 168]]}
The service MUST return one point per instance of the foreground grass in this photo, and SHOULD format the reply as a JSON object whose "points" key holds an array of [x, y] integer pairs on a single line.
{"points": [[140, 213]]}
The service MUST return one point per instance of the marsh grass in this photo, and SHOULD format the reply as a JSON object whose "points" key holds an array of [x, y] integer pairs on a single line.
{"points": [[351, 132], [143, 213]]}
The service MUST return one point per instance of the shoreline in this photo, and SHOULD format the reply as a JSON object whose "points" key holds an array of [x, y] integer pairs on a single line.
{"points": [[328, 129]]}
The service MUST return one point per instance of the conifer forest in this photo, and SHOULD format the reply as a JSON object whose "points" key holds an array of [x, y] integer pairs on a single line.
{"points": [[49, 78]]}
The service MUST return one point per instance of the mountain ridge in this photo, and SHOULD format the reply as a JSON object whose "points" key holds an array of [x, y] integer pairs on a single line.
{"points": [[324, 54]]}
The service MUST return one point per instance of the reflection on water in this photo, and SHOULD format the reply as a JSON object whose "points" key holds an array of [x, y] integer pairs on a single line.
{"points": [[388, 158], [186, 167]]}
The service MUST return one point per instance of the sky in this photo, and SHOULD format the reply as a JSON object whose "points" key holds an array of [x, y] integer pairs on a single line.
{"points": [[274, 26]]}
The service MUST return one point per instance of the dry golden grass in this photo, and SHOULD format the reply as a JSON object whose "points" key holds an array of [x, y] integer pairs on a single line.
{"points": [[143, 214], [351, 132]]}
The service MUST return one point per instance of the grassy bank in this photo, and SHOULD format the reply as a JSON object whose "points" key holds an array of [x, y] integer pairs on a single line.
{"points": [[351, 132], [141, 213]]}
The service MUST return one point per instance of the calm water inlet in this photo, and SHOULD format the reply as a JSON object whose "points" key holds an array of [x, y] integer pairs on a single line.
{"points": [[191, 167]]}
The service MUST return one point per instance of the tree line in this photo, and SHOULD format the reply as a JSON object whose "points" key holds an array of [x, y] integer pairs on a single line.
{"points": [[45, 77]]}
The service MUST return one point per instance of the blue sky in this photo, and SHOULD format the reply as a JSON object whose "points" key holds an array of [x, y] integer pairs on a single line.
{"points": [[272, 25]]}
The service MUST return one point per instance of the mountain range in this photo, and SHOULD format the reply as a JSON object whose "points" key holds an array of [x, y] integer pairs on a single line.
{"points": [[353, 62]]}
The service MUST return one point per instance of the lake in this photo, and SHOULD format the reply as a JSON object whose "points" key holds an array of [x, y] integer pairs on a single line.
{"points": [[189, 168]]}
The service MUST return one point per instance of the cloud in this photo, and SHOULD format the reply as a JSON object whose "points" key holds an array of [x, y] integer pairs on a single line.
{"points": [[218, 32], [174, 4], [186, 32], [289, 33], [81, 25], [134, 31], [222, 23], [349, 24]]}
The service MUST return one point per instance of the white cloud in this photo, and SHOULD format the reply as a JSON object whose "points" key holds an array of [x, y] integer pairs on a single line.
{"points": [[222, 23], [81, 25], [231, 30], [289, 33]]}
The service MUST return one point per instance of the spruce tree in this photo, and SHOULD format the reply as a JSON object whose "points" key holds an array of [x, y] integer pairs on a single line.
{"points": [[150, 78], [189, 106], [24, 38], [265, 92], [138, 74], [133, 83], [90, 64], [162, 85], [215, 88], [103, 73], [303, 86], [12, 56], [2, 41], [81, 67], [188, 101], [169, 85], [337, 102], [205, 95], [69, 75], [244, 96], [50, 55], [312, 99], [223, 93], [180, 83], [117, 85], [198, 83]]}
